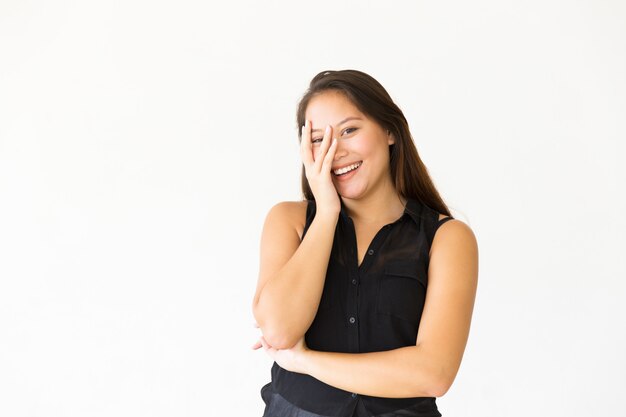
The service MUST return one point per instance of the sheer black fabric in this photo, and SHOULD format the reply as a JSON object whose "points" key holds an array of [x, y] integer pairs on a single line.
{"points": [[371, 307]]}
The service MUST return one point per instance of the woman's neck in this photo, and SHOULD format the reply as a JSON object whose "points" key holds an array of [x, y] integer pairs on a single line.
{"points": [[381, 207]]}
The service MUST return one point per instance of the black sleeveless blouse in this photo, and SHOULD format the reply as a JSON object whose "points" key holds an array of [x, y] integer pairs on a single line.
{"points": [[371, 307]]}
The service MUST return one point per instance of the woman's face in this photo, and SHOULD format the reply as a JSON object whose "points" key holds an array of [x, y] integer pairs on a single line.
{"points": [[360, 141]]}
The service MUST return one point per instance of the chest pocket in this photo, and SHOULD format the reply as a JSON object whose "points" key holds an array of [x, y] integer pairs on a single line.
{"points": [[402, 291]]}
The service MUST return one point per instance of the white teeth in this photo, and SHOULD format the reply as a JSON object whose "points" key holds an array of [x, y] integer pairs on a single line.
{"points": [[347, 169]]}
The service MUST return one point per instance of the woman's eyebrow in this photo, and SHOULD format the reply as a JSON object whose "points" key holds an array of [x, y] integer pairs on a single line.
{"points": [[347, 119]]}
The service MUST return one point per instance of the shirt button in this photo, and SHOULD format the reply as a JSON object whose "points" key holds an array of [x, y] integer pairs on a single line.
{"points": [[370, 252], [353, 394], [354, 281], [352, 320]]}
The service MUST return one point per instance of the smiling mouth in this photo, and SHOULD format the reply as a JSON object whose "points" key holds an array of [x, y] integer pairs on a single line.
{"points": [[342, 171]]}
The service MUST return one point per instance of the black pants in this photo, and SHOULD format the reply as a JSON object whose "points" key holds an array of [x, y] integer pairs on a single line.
{"points": [[277, 406]]}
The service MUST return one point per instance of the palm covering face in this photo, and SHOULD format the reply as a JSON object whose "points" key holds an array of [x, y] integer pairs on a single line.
{"points": [[317, 167]]}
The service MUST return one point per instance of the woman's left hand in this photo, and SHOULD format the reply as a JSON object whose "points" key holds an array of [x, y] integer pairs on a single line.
{"points": [[291, 359]]}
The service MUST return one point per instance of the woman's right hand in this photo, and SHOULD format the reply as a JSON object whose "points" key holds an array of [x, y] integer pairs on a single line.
{"points": [[318, 168]]}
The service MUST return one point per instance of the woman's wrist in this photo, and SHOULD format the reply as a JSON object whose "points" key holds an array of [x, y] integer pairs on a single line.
{"points": [[327, 214], [306, 361]]}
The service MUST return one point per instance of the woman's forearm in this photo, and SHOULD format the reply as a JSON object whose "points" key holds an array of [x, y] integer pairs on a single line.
{"points": [[289, 300], [398, 373]]}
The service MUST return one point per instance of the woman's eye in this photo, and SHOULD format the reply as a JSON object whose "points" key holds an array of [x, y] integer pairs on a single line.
{"points": [[349, 130], [316, 140]]}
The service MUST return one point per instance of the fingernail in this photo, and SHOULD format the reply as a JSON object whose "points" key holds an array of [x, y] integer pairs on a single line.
{"points": [[328, 129]]}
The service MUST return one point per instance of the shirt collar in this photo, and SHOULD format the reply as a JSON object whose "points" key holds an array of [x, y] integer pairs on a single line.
{"points": [[412, 209]]}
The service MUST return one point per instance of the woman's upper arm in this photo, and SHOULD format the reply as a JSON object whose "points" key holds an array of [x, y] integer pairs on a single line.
{"points": [[452, 282], [279, 240]]}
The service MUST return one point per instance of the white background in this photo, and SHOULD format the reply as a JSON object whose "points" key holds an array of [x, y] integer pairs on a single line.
{"points": [[143, 142]]}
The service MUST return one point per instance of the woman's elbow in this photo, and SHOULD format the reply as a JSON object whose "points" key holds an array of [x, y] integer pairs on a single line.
{"points": [[277, 336], [281, 341], [276, 332], [439, 389], [438, 378], [441, 384]]}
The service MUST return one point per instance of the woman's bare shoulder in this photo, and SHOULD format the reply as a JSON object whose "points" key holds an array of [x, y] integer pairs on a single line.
{"points": [[293, 213], [453, 232], [454, 223]]}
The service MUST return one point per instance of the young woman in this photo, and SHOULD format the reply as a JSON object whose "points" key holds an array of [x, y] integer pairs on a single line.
{"points": [[366, 288]]}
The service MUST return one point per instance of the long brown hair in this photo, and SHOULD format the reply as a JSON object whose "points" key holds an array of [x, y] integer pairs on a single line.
{"points": [[408, 172]]}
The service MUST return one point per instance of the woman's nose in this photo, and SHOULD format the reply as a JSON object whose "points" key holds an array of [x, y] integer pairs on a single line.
{"points": [[341, 151]]}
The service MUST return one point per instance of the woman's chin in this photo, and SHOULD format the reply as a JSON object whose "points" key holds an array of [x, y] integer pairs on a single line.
{"points": [[351, 193]]}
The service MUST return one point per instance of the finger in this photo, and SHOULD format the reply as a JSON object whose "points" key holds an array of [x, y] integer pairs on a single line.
{"points": [[264, 343], [305, 144], [330, 156], [257, 345], [324, 147]]}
